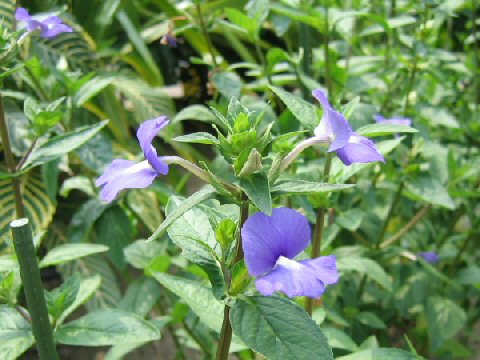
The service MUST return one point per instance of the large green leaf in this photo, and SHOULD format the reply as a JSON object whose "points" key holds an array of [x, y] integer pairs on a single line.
{"points": [[444, 320], [304, 112], [62, 144], [197, 296], [206, 193], [39, 207], [68, 252], [380, 354], [194, 234], [367, 267], [106, 327], [15, 334], [278, 329]]}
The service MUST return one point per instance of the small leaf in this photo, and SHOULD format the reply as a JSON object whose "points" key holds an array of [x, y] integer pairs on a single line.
{"points": [[287, 186], [304, 112], [198, 138], [227, 83], [337, 339], [225, 233], [60, 145], [60, 299], [367, 267], [278, 328], [68, 252], [371, 320], [106, 327], [258, 191], [430, 190]]}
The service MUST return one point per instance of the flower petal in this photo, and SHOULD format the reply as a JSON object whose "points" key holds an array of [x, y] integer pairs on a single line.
{"points": [[305, 278], [266, 238], [51, 31], [429, 256], [145, 134], [22, 15], [124, 174], [333, 125], [359, 150]]}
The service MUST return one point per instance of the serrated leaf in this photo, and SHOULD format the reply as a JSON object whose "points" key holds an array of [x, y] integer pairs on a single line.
{"points": [[373, 130], [304, 112], [278, 328], [106, 327], [68, 252], [60, 145]]}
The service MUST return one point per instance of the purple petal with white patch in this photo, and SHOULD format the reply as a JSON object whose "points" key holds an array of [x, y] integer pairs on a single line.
{"points": [[145, 134], [124, 174], [429, 256], [333, 126], [266, 238], [303, 278], [49, 27], [359, 150], [395, 120]]}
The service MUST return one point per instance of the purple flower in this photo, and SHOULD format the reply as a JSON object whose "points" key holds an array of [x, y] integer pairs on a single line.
{"points": [[271, 242], [348, 145], [49, 27], [399, 121], [429, 256], [124, 174], [169, 39]]}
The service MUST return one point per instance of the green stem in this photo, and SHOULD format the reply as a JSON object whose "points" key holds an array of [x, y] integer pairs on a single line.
{"points": [[318, 230], [32, 286], [205, 34], [226, 332], [10, 160], [476, 80], [306, 41], [263, 62], [394, 204]]}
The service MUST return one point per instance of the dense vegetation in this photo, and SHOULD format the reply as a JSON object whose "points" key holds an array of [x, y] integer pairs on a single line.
{"points": [[399, 218]]}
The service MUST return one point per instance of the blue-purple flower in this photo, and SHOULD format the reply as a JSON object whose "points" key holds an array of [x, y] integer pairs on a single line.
{"points": [[395, 120], [124, 174], [49, 27], [269, 245], [348, 145], [429, 256]]}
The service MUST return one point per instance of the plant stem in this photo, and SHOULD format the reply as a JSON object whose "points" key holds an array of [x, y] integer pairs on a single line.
{"points": [[263, 62], [406, 227], [10, 160], [394, 204], [306, 41], [318, 230], [205, 34], [32, 286], [27, 154], [226, 332]]}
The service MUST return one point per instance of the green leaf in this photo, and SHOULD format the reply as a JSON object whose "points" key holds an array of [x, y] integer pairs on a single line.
{"points": [[197, 296], [198, 113], [305, 112], [367, 267], [278, 328], [370, 319], [106, 327], [207, 192], [287, 186], [444, 320], [242, 21], [438, 116], [60, 145], [87, 287], [59, 299], [141, 296], [39, 207], [350, 219], [469, 275], [68, 252], [225, 234], [338, 339], [228, 84], [373, 130], [198, 138], [430, 190], [145, 205], [258, 191], [114, 230], [380, 354], [149, 256], [15, 333], [194, 234]]}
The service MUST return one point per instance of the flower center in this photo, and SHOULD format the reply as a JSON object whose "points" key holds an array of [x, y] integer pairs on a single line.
{"points": [[288, 263], [137, 167]]}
